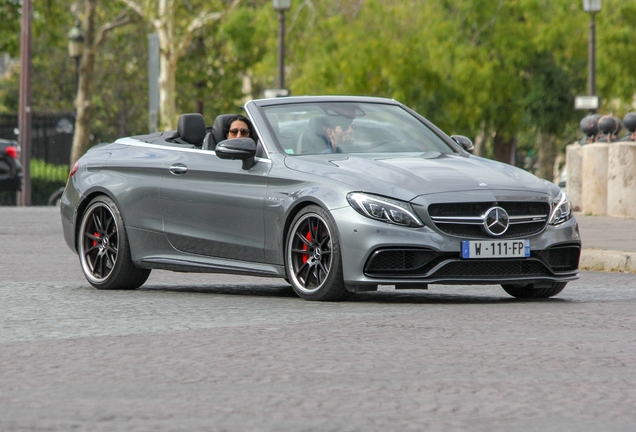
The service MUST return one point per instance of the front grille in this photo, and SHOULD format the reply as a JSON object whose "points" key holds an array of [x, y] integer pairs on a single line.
{"points": [[561, 258], [493, 268], [477, 209], [475, 231], [399, 261], [405, 263]]}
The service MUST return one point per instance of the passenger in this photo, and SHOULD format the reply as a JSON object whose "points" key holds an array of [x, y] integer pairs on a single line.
{"points": [[237, 127], [339, 130]]}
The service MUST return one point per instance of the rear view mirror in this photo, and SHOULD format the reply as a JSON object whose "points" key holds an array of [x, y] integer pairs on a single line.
{"points": [[464, 142], [239, 148]]}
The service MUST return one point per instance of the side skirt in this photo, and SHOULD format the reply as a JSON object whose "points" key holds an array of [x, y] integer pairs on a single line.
{"points": [[211, 265]]}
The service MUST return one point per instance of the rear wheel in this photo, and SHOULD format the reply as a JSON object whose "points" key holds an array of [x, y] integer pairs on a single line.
{"points": [[312, 257], [103, 248], [529, 291]]}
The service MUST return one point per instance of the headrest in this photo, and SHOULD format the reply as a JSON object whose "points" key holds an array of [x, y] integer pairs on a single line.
{"points": [[221, 123], [219, 126], [315, 125], [191, 128]]}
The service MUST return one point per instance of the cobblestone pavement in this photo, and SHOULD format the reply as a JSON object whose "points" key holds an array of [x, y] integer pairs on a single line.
{"points": [[225, 353]]}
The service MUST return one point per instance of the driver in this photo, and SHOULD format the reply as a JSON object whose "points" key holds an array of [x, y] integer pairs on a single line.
{"points": [[339, 130]]}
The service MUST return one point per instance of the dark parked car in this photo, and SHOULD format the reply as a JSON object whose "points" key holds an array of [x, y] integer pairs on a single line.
{"points": [[10, 168], [334, 194]]}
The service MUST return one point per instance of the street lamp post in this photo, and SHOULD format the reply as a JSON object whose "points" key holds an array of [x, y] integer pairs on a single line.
{"points": [[593, 7], [281, 6], [76, 48], [24, 115]]}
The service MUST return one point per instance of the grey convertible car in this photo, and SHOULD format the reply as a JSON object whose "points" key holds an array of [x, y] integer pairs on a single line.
{"points": [[334, 194]]}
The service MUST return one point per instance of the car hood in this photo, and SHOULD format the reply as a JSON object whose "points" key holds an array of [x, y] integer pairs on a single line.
{"points": [[408, 177]]}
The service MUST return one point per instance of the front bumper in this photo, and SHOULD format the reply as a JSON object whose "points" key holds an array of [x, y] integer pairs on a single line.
{"points": [[425, 255]]}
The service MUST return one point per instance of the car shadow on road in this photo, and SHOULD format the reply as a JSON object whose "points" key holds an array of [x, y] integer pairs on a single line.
{"points": [[238, 290], [419, 297], [377, 297]]}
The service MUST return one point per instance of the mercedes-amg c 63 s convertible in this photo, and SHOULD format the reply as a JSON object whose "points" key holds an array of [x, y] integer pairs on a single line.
{"points": [[334, 194]]}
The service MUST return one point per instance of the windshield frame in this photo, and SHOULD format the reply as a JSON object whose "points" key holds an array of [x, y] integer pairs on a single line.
{"points": [[441, 142]]}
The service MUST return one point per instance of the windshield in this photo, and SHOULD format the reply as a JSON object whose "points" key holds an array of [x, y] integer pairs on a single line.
{"points": [[346, 127]]}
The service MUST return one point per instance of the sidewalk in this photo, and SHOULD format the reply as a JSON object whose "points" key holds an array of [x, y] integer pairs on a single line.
{"points": [[609, 243]]}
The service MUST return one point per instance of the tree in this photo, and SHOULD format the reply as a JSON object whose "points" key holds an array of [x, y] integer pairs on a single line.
{"points": [[176, 24], [468, 65], [218, 71], [616, 52], [10, 30], [94, 38]]}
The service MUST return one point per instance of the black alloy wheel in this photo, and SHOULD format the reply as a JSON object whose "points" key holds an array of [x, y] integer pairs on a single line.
{"points": [[314, 266], [103, 248]]}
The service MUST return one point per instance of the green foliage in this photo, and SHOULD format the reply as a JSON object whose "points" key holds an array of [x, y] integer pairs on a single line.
{"points": [[49, 172], [481, 68], [10, 27], [120, 98], [616, 55], [221, 55], [489, 68], [549, 95]]}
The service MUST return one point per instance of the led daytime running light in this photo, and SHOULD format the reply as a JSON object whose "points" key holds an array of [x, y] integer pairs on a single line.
{"points": [[384, 209], [562, 210]]}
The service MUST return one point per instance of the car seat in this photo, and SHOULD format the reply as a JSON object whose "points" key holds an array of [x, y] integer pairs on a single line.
{"points": [[314, 139], [217, 135], [191, 129]]}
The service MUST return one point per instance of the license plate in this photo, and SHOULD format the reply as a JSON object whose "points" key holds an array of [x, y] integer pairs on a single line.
{"points": [[496, 249]]}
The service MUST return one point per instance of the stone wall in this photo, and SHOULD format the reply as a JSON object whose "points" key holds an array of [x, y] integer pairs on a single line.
{"points": [[601, 178], [621, 180]]}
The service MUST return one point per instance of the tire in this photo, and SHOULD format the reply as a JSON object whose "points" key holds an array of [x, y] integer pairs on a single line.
{"points": [[312, 257], [529, 291], [103, 248]]}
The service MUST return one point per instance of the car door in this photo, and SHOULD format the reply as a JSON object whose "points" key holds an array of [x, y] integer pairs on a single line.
{"points": [[213, 207]]}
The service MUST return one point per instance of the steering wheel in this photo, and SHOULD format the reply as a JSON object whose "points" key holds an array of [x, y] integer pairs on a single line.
{"points": [[379, 143]]}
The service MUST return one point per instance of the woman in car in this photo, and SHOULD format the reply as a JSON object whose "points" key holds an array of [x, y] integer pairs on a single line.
{"points": [[238, 126]]}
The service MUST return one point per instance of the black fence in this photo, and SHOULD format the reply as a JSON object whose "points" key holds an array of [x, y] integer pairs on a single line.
{"points": [[51, 135]]}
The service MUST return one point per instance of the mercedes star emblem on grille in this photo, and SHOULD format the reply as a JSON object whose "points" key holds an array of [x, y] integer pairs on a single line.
{"points": [[496, 221]]}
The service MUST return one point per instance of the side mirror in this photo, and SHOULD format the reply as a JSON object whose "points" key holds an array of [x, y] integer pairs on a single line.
{"points": [[239, 148], [464, 142]]}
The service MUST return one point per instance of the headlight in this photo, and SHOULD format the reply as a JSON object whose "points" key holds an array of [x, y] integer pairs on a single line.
{"points": [[384, 209], [561, 209]]}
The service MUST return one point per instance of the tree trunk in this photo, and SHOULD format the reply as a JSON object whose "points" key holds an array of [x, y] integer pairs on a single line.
{"points": [[547, 154], [83, 101], [171, 46], [502, 149], [168, 57], [167, 106]]}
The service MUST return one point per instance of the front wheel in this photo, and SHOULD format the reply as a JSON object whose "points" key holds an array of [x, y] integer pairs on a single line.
{"points": [[103, 248], [312, 256], [526, 291]]}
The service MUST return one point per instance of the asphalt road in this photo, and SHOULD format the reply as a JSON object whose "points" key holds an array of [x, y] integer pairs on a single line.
{"points": [[225, 353]]}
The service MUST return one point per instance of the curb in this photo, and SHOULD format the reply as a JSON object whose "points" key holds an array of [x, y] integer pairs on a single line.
{"points": [[604, 260]]}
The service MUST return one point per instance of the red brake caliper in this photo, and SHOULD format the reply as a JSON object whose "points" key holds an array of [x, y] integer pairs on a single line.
{"points": [[95, 241], [306, 256]]}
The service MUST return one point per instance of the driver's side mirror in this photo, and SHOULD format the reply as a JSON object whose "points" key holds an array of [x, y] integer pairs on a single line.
{"points": [[238, 148], [464, 142]]}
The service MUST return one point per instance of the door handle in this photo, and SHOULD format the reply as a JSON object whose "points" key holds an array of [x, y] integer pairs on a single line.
{"points": [[178, 169]]}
